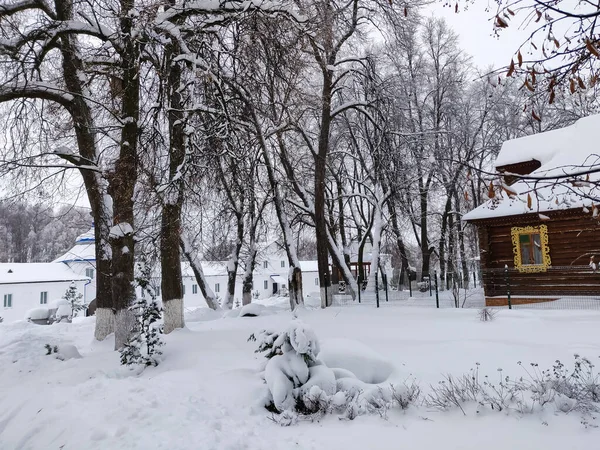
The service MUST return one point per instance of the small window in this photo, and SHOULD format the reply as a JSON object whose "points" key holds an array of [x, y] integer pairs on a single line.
{"points": [[266, 284], [217, 287], [530, 247], [282, 263], [8, 300], [266, 264], [194, 288], [89, 273], [43, 298], [316, 281], [184, 289]]}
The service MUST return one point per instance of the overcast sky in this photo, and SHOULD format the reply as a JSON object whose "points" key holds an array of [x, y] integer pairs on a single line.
{"points": [[475, 27]]}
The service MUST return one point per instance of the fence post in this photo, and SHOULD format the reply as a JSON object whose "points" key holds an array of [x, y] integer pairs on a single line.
{"points": [[359, 289], [409, 285], [437, 297], [385, 283], [507, 286]]}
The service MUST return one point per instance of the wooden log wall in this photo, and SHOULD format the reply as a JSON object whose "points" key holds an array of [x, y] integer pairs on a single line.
{"points": [[572, 238]]}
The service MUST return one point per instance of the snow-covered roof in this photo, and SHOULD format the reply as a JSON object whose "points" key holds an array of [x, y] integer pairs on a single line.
{"points": [[80, 252], [87, 237], [566, 151], [12, 273]]}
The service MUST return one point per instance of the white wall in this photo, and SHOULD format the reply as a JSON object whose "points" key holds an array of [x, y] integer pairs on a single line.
{"points": [[79, 267], [26, 296]]}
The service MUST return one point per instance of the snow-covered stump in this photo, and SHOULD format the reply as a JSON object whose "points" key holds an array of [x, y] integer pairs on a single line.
{"points": [[173, 315], [105, 323]]}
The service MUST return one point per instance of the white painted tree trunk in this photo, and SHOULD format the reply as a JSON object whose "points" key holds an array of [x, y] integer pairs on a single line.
{"points": [[173, 315], [105, 323], [351, 284], [124, 324]]}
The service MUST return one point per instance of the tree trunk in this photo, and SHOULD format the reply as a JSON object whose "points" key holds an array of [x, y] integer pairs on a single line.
{"points": [[123, 183], [171, 282], [442, 241], [72, 69], [232, 264], [170, 255], [195, 264], [376, 230], [425, 249], [248, 282], [399, 242], [461, 242]]}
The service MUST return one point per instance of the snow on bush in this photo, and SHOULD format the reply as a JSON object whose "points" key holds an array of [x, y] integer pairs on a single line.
{"points": [[302, 384], [565, 390], [143, 347], [74, 299]]}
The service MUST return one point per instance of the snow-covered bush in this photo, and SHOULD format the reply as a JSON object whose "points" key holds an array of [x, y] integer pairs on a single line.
{"points": [[74, 298], [143, 348], [64, 352], [301, 385], [51, 349], [487, 314], [566, 391], [60, 311], [1, 319]]}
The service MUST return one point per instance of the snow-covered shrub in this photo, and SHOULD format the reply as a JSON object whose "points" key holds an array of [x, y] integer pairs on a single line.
{"points": [[143, 347], [64, 352], [301, 385], [60, 311], [51, 349], [576, 390], [1, 319], [487, 314], [74, 298]]}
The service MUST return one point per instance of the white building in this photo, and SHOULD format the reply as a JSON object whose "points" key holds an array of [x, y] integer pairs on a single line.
{"points": [[81, 259], [270, 278], [25, 286]]}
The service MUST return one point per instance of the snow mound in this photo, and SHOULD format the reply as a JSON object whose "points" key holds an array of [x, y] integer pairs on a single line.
{"points": [[67, 351], [252, 310], [357, 358], [202, 315]]}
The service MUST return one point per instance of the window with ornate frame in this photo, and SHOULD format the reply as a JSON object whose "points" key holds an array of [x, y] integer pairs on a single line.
{"points": [[530, 247]]}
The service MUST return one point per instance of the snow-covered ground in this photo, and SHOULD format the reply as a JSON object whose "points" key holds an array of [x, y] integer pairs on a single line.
{"points": [[204, 394]]}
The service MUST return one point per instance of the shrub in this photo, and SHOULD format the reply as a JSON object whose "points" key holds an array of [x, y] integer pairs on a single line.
{"points": [[567, 390], [487, 314], [302, 387]]}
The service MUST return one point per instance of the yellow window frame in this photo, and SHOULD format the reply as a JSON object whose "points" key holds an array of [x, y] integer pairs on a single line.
{"points": [[542, 230]]}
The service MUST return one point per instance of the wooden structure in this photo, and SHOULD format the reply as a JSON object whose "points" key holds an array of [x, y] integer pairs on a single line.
{"points": [[533, 242]]}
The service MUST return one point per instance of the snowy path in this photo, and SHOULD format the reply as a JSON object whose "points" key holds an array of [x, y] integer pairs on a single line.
{"points": [[204, 394]]}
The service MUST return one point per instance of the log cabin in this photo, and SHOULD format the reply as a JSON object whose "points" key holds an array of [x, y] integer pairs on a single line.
{"points": [[539, 231]]}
